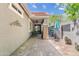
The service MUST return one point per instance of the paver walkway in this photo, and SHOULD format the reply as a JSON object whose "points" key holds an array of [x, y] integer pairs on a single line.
{"points": [[64, 49], [36, 47]]}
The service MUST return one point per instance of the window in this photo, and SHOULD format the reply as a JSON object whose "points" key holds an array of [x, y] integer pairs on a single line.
{"points": [[19, 11], [66, 27], [16, 9]]}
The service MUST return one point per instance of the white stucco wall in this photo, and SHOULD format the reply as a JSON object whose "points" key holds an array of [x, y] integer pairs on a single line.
{"points": [[72, 35], [12, 36]]}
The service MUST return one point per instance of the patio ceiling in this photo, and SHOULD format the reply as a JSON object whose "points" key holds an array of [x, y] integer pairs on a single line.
{"points": [[38, 17]]}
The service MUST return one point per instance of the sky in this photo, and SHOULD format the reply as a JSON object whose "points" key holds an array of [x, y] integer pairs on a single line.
{"points": [[50, 8]]}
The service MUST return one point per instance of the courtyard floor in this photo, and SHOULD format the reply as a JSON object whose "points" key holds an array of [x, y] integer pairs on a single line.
{"points": [[36, 47], [64, 49]]}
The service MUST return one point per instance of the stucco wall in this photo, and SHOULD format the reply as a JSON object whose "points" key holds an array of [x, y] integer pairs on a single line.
{"points": [[12, 35], [72, 35]]}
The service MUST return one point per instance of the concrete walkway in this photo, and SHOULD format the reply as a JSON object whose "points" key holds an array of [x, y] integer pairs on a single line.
{"points": [[36, 47]]}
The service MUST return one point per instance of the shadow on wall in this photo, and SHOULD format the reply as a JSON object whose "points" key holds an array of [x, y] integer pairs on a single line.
{"points": [[16, 23]]}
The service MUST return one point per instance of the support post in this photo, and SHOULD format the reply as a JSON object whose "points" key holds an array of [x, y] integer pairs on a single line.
{"points": [[45, 31]]}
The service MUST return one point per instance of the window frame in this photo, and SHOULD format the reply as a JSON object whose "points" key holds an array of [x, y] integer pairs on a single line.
{"points": [[16, 9]]}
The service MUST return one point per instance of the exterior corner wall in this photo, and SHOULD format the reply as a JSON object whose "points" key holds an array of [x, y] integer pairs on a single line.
{"points": [[14, 29]]}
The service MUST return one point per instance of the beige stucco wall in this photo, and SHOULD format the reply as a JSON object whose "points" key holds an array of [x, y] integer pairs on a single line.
{"points": [[12, 36]]}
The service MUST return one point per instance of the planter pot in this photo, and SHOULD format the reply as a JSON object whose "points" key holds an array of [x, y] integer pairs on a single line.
{"points": [[68, 41], [76, 46]]}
